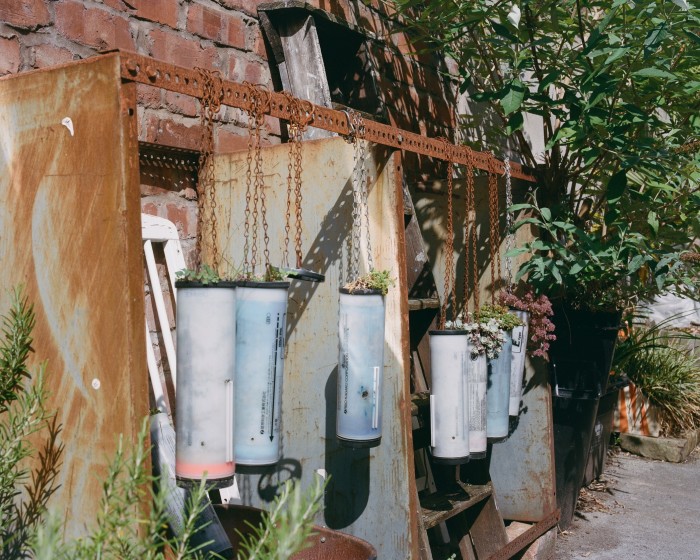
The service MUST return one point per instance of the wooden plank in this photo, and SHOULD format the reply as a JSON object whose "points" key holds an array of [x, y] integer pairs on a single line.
{"points": [[303, 64], [424, 303], [441, 506], [487, 531], [70, 232], [365, 483]]}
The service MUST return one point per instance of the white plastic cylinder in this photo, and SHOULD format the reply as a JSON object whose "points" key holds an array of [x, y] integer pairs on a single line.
{"points": [[498, 392], [517, 366], [206, 334], [360, 369], [449, 396], [477, 375], [261, 316]]}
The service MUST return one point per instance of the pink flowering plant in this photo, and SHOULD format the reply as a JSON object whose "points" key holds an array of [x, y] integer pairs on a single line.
{"points": [[541, 328]]}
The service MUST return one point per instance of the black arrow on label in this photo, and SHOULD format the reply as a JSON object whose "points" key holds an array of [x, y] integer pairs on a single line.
{"points": [[274, 379]]}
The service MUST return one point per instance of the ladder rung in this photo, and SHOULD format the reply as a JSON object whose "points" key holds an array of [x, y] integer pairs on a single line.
{"points": [[441, 506], [423, 303]]}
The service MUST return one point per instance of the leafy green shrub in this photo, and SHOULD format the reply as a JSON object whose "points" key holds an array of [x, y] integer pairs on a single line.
{"points": [[665, 370]]}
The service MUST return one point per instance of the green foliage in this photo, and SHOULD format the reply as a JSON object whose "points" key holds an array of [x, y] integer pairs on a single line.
{"points": [[506, 321], [288, 525], [662, 366], [616, 86], [379, 280], [125, 526], [204, 274], [24, 493], [604, 271]]}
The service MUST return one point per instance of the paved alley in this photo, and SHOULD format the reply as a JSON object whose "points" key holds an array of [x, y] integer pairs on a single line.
{"points": [[640, 509]]}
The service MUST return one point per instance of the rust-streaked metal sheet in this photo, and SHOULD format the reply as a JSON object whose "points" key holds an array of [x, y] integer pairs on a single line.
{"points": [[371, 493], [70, 232]]}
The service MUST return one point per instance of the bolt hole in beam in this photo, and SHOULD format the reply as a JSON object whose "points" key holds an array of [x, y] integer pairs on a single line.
{"points": [[133, 65]]}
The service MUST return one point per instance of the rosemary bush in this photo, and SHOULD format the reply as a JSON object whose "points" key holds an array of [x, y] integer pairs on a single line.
{"points": [[125, 527]]}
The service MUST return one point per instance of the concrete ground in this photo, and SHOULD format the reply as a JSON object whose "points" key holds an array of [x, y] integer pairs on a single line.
{"points": [[641, 509]]}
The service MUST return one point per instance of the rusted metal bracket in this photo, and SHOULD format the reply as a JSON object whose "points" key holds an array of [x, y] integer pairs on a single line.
{"points": [[527, 538], [149, 71]]}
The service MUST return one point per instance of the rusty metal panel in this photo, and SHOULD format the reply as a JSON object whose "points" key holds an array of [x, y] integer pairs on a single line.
{"points": [[69, 231], [372, 493], [522, 466]]}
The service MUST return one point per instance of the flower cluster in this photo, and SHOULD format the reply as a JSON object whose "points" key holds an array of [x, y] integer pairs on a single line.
{"points": [[486, 337], [541, 329]]}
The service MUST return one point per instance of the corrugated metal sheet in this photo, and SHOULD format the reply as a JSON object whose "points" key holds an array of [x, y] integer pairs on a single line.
{"points": [[69, 231], [371, 493]]}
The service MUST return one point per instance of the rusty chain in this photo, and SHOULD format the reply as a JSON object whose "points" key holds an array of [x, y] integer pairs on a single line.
{"points": [[258, 104], [448, 247], [510, 236], [301, 114], [470, 254], [210, 104], [494, 230]]}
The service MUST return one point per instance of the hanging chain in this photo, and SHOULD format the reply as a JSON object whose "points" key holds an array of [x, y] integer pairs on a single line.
{"points": [[258, 105], [301, 114], [494, 233], [360, 187], [510, 236], [210, 104], [448, 247], [470, 255]]}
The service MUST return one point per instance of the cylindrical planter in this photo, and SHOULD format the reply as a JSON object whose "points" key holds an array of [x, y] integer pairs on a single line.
{"points": [[498, 392], [517, 366], [477, 380], [360, 368], [206, 331], [261, 316], [449, 396]]}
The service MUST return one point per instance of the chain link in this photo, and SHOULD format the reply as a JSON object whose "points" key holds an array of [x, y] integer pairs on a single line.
{"points": [[494, 233], [470, 256], [448, 246], [206, 191], [360, 192], [510, 235], [258, 104]]}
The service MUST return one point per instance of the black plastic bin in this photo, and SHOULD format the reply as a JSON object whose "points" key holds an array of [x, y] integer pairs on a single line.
{"points": [[574, 418], [580, 365], [602, 430]]}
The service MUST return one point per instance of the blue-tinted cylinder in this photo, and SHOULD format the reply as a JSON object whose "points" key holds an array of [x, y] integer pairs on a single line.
{"points": [[477, 377], [517, 367], [261, 317], [498, 391], [360, 368], [449, 396], [206, 331]]}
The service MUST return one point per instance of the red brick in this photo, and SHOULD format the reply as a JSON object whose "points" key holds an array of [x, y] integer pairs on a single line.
{"points": [[27, 14], [161, 11], [249, 70], [249, 7], [148, 96], [183, 215], [174, 48], [93, 26], [171, 133], [51, 55], [181, 104], [219, 26], [9, 56]]}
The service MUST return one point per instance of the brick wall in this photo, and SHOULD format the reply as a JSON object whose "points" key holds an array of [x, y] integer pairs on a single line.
{"points": [[215, 34]]}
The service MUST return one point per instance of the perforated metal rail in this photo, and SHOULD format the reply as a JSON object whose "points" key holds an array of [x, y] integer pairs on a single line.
{"points": [[149, 71]]}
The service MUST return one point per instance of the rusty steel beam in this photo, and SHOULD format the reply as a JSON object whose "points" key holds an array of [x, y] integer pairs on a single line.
{"points": [[527, 538], [149, 71]]}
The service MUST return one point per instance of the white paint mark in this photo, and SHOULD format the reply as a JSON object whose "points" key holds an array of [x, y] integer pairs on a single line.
{"points": [[68, 123], [96, 383], [322, 473]]}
